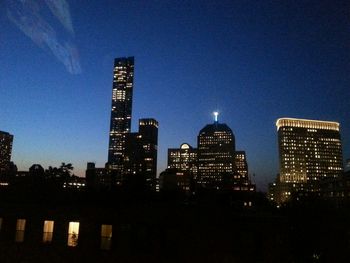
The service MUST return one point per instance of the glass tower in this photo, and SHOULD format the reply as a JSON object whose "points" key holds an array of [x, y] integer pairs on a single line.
{"points": [[120, 126]]}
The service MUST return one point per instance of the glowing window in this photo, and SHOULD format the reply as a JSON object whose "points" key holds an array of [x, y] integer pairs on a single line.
{"points": [[106, 237], [48, 231], [20, 228], [73, 234]]}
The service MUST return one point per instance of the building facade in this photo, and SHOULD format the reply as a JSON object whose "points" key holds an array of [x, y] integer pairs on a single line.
{"points": [[183, 159], [309, 152], [242, 181], [241, 165], [120, 124], [141, 150], [216, 156], [6, 140]]}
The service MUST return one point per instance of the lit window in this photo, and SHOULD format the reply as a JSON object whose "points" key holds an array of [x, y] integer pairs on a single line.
{"points": [[48, 231], [20, 228], [106, 237], [73, 234]]}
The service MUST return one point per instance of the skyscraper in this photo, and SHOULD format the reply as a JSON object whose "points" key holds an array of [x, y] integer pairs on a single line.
{"points": [[309, 151], [148, 129], [120, 125], [141, 150], [216, 155], [6, 140]]}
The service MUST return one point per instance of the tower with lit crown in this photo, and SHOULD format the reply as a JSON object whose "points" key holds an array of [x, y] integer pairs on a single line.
{"points": [[309, 152], [216, 154]]}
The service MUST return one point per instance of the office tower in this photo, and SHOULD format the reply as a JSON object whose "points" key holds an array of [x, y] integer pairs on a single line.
{"points": [[148, 129], [183, 159], [216, 155], [120, 125], [141, 150], [6, 140], [309, 151], [181, 171], [241, 165]]}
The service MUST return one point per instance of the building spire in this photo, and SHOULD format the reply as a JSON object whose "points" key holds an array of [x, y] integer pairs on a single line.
{"points": [[216, 114]]}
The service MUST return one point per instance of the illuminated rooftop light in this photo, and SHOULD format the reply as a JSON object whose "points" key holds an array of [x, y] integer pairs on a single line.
{"points": [[185, 146], [303, 123], [216, 114]]}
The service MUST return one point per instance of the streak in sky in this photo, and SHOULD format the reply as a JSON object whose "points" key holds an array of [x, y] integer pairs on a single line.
{"points": [[25, 14], [60, 9]]}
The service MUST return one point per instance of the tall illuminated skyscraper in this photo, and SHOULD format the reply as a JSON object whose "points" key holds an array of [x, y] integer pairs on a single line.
{"points": [[120, 126], [216, 155], [6, 140], [309, 151]]}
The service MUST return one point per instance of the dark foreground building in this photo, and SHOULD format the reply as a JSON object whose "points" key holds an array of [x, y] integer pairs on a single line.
{"points": [[114, 230]]}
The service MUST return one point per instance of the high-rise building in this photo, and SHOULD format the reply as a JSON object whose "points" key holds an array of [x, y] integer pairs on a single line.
{"points": [[141, 150], [183, 159], [216, 155], [241, 165], [148, 129], [120, 125], [309, 151], [6, 140]]}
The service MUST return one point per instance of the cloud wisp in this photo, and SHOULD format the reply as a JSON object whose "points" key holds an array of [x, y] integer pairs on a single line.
{"points": [[27, 16]]}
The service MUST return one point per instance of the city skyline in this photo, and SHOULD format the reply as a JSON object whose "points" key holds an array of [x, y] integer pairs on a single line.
{"points": [[252, 69]]}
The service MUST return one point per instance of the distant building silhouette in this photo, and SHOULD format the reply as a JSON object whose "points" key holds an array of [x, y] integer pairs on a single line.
{"points": [[129, 153], [98, 179], [6, 141], [309, 151], [176, 180], [213, 165], [141, 150], [120, 125]]}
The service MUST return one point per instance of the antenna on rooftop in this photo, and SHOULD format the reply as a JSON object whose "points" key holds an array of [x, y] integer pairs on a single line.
{"points": [[216, 114]]}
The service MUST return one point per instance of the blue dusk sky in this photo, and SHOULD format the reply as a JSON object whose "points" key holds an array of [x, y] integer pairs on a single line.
{"points": [[253, 61]]}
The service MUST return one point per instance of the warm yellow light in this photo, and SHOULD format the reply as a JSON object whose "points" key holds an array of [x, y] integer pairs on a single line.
{"points": [[73, 234], [304, 123], [48, 231]]}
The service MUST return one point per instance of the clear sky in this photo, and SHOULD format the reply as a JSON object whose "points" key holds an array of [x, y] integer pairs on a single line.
{"points": [[254, 61]]}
